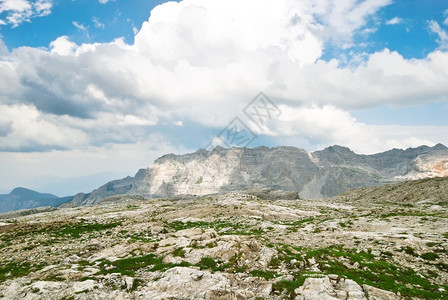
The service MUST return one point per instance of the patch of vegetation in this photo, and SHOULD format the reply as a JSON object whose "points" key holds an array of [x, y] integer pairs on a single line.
{"points": [[132, 207], [211, 245], [408, 214], [296, 223], [286, 254], [137, 282], [378, 273], [442, 266], [54, 277], [264, 274], [14, 269], [288, 287], [219, 225], [274, 263], [208, 263], [429, 256], [129, 266], [409, 250], [75, 230], [179, 252]]}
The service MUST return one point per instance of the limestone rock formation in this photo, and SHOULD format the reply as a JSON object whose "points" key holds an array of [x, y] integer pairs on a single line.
{"points": [[318, 174]]}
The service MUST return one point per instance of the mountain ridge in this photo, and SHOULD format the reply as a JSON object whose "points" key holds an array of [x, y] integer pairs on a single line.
{"points": [[23, 198], [319, 174]]}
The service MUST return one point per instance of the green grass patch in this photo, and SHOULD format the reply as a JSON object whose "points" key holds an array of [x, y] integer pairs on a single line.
{"points": [[219, 226], [288, 287], [137, 282], [378, 273], [410, 251], [297, 223], [429, 256], [14, 269], [129, 266], [266, 274], [75, 230], [208, 263], [179, 252]]}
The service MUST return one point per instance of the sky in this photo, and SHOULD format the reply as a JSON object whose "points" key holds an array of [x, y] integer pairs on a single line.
{"points": [[93, 90]]}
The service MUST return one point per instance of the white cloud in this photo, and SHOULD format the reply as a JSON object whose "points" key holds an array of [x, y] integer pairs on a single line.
{"points": [[328, 125], [30, 130], [443, 35], [97, 23], [79, 26], [62, 46], [3, 49], [202, 61], [124, 159], [394, 21], [126, 120], [19, 11], [343, 19], [15, 5]]}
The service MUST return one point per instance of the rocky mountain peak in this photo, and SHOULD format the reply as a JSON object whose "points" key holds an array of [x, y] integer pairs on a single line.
{"points": [[318, 174]]}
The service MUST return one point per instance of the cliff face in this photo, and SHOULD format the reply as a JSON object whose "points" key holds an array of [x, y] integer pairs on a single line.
{"points": [[317, 174]]}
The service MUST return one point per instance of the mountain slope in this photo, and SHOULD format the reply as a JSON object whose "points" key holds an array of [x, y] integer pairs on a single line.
{"points": [[22, 198], [318, 174]]}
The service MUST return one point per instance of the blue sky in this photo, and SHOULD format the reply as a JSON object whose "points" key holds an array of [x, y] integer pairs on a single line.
{"points": [[101, 23], [97, 89]]}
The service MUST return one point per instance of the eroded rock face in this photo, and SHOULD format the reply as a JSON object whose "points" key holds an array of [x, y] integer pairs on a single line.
{"points": [[188, 282], [332, 287], [318, 174]]}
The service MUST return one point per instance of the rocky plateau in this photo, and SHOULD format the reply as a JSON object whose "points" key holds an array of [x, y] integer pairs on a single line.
{"points": [[381, 242]]}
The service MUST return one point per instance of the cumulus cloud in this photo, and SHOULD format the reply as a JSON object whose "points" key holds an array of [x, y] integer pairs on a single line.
{"points": [[328, 125], [344, 19], [19, 11], [28, 130], [202, 61], [394, 21]]}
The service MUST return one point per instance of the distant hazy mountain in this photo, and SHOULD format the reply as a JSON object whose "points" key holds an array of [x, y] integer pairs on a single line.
{"points": [[22, 198], [316, 174]]}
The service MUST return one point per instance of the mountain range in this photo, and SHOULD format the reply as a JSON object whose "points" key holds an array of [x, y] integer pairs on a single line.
{"points": [[318, 174], [311, 175]]}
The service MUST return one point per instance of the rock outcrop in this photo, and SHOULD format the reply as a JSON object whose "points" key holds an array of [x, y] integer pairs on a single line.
{"points": [[332, 287]]}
